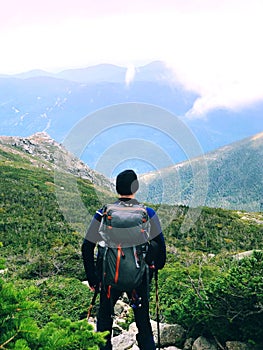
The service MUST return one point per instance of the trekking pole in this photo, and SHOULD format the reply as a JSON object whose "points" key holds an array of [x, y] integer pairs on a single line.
{"points": [[93, 300], [157, 308]]}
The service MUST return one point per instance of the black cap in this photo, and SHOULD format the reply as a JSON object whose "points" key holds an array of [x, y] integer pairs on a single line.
{"points": [[127, 182]]}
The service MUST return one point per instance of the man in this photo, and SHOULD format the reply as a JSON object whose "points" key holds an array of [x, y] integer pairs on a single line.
{"points": [[126, 186]]}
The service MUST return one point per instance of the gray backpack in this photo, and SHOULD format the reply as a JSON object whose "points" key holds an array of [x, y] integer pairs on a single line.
{"points": [[124, 230]]}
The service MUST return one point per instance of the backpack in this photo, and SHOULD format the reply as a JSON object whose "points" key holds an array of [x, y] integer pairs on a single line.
{"points": [[124, 230]]}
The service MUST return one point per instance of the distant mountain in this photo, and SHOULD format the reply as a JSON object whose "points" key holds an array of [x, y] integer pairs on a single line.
{"points": [[39, 101], [34, 73], [95, 74], [55, 103], [231, 177], [155, 71]]}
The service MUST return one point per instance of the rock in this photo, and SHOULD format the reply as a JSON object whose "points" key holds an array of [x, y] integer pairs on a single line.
{"points": [[86, 283], [121, 311], [170, 335], [188, 344], [236, 345], [135, 347], [119, 307], [133, 328], [202, 343], [243, 255], [124, 341], [92, 321]]}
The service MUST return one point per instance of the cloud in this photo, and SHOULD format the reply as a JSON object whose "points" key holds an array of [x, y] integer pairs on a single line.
{"points": [[220, 58]]}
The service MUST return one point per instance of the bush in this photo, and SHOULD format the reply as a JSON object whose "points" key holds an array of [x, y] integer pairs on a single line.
{"points": [[236, 301], [21, 331], [67, 297], [227, 305]]}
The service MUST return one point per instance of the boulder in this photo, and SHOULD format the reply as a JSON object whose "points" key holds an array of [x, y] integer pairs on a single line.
{"points": [[170, 334], [236, 345], [202, 343], [119, 307], [124, 341], [188, 344], [135, 347]]}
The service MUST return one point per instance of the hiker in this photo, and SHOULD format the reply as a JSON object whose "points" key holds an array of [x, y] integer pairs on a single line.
{"points": [[155, 256]]}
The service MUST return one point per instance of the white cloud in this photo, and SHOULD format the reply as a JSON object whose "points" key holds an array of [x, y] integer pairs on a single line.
{"points": [[221, 58]]}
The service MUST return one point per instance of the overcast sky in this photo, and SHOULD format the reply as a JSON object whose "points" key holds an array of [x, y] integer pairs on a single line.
{"points": [[213, 46]]}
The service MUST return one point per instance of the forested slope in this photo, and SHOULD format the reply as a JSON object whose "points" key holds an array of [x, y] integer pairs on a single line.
{"points": [[230, 177]]}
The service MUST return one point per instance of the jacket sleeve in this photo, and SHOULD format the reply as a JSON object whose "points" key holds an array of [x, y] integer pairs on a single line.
{"points": [[87, 250], [157, 249], [88, 262]]}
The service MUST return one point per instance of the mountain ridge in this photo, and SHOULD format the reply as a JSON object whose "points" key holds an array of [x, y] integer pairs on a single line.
{"points": [[103, 72], [43, 151], [235, 177]]}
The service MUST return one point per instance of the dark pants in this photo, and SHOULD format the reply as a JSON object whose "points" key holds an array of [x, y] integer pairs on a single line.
{"points": [[141, 315]]}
